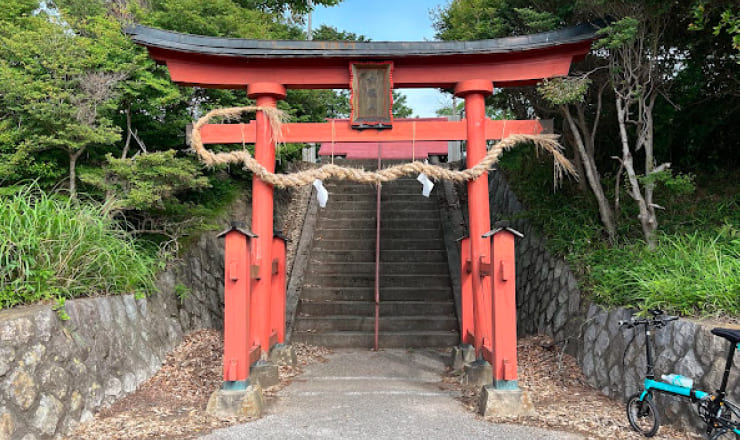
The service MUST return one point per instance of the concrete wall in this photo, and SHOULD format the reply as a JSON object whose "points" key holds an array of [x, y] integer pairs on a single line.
{"points": [[549, 302]]}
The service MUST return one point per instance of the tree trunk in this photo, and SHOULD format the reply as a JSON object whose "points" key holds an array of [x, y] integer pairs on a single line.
{"points": [[594, 179], [128, 132], [577, 161], [73, 156], [648, 222]]}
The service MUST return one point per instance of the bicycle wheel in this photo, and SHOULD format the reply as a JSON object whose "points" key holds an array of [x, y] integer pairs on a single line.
{"points": [[724, 434], [643, 415], [728, 417]]}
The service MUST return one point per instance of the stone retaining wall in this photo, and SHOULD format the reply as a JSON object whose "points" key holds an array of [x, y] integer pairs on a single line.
{"points": [[682, 347], [549, 302], [55, 374]]}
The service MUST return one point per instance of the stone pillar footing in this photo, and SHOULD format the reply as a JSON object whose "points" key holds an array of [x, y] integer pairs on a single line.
{"points": [[283, 355], [236, 403], [504, 403], [478, 373], [461, 356], [264, 373]]}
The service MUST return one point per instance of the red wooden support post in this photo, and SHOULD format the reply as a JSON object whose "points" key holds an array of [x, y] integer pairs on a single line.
{"points": [[474, 92], [266, 95], [279, 288], [237, 342], [503, 270], [467, 323]]}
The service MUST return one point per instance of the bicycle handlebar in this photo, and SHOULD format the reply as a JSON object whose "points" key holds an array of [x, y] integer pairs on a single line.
{"points": [[658, 320]]}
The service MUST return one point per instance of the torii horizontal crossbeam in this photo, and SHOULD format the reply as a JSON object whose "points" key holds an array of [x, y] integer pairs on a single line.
{"points": [[235, 63], [342, 131]]}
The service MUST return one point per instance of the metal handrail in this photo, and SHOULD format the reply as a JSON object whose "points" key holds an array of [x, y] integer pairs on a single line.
{"points": [[377, 256]]}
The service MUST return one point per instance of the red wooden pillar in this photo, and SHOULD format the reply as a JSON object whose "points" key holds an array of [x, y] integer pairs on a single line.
{"points": [[474, 93], [467, 320], [503, 273], [266, 95], [279, 288], [237, 286]]}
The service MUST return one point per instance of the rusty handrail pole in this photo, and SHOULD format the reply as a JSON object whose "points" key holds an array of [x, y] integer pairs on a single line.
{"points": [[377, 257]]}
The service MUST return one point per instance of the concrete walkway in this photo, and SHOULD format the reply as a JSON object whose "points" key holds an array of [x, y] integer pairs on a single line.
{"points": [[361, 394]]}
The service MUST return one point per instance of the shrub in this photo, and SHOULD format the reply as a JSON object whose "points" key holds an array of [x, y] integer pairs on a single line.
{"points": [[690, 274], [53, 248]]}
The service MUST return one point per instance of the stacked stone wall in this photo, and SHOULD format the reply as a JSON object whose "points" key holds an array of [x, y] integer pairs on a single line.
{"points": [[549, 302], [56, 374]]}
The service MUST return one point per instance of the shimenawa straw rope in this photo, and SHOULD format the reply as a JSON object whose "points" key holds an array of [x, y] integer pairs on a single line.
{"points": [[546, 142]]}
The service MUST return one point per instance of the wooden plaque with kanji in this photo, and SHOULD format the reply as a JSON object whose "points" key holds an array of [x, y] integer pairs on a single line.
{"points": [[372, 95]]}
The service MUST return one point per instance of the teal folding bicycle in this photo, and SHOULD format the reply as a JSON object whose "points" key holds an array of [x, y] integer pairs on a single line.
{"points": [[722, 417]]}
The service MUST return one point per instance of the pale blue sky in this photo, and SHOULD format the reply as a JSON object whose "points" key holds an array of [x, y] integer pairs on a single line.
{"points": [[389, 20]]}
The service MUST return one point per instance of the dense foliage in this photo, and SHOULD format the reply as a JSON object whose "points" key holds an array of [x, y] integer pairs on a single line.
{"points": [[694, 268], [646, 118]]}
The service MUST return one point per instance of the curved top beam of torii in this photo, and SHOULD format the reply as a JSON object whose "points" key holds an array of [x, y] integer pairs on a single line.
{"points": [[235, 63]]}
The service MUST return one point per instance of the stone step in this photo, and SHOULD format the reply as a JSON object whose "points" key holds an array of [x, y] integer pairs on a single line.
{"points": [[404, 195], [410, 205], [362, 308], [347, 213], [411, 190], [368, 268], [385, 233], [367, 323], [350, 188], [386, 197], [430, 222], [405, 339], [316, 279], [368, 294], [319, 256], [368, 244], [370, 198]]}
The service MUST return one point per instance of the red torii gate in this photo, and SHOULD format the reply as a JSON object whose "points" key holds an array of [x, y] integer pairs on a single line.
{"points": [[267, 68]]}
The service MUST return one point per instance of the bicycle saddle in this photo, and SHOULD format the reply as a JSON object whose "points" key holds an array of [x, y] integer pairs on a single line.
{"points": [[729, 334]]}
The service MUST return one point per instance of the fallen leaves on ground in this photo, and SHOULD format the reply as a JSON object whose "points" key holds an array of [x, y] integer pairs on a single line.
{"points": [[561, 396], [172, 404]]}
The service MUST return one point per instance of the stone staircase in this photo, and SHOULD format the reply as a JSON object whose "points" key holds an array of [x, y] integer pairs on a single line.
{"points": [[337, 307]]}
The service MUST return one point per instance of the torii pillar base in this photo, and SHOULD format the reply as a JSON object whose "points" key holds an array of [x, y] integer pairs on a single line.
{"points": [[265, 373], [283, 355], [495, 402], [478, 373], [246, 403]]}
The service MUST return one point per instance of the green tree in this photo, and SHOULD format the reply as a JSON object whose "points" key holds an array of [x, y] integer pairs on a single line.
{"points": [[723, 16], [400, 106], [645, 57], [336, 102], [58, 90]]}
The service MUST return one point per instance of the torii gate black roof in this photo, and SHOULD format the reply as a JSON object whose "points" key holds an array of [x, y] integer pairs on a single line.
{"points": [[238, 47]]}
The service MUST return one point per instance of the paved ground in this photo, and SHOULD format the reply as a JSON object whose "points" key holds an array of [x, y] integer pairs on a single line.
{"points": [[362, 394]]}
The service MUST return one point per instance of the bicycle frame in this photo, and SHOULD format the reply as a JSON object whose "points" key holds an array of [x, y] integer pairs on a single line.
{"points": [[650, 384]]}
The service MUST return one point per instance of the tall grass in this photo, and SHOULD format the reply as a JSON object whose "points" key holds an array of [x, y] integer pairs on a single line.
{"points": [[53, 248], [695, 269], [695, 273]]}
